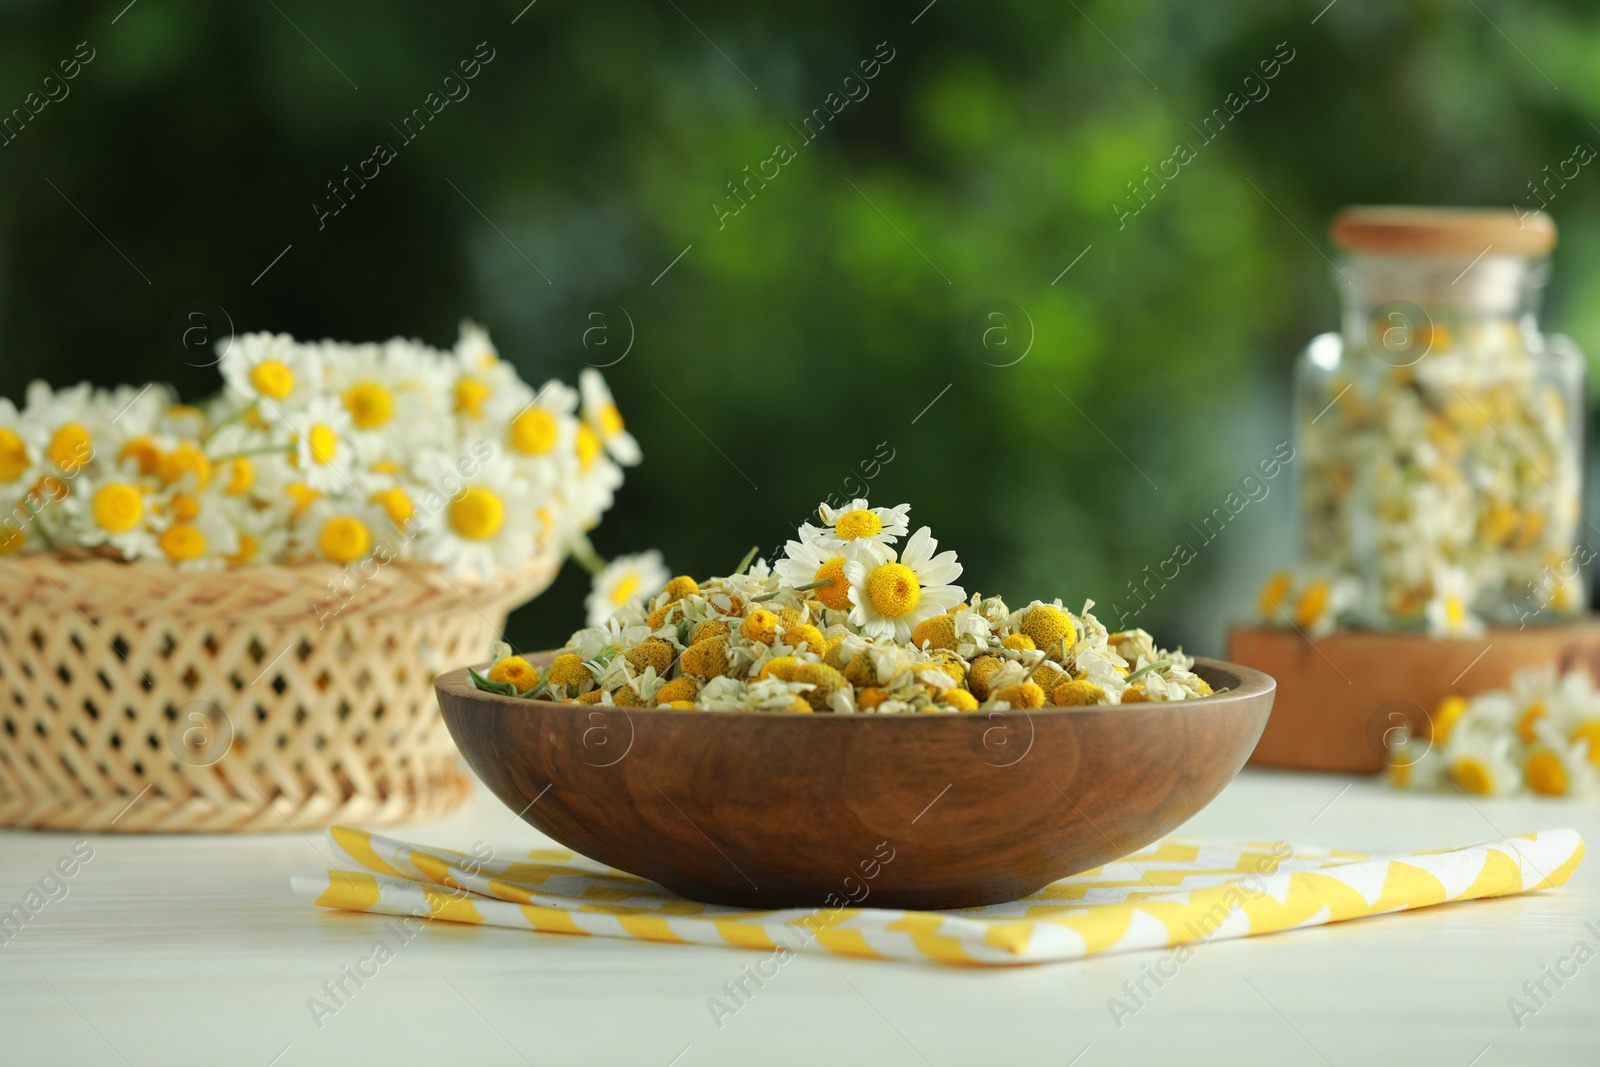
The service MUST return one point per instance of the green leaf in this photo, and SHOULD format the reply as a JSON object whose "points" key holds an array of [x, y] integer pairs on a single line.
{"points": [[487, 686]]}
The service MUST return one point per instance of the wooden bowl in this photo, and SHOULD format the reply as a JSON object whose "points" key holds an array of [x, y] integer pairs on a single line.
{"points": [[776, 810]]}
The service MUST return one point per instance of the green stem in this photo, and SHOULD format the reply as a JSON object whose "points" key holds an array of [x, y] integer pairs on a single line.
{"points": [[270, 451], [584, 553], [748, 558], [764, 597], [235, 417], [1158, 665]]}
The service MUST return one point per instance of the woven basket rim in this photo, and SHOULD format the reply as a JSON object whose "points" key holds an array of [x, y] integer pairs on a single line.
{"points": [[152, 588]]}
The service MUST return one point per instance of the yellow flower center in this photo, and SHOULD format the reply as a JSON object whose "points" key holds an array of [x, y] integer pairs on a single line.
{"points": [[1273, 595], [396, 503], [13, 455], [610, 420], [302, 495], [1472, 776], [144, 452], [370, 405], [477, 514], [1589, 730], [248, 547], [516, 672], [324, 443], [624, 589], [1545, 774], [117, 507], [470, 395], [180, 542], [1455, 612], [836, 594], [533, 433], [1530, 717], [853, 525], [185, 508], [272, 379], [71, 447], [1444, 717], [893, 589], [588, 447], [241, 476], [344, 539], [186, 459], [1313, 602]]}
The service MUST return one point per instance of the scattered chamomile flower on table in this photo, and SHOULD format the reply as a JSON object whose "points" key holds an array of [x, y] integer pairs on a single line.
{"points": [[317, 452], [877, 632], [1539, 736]]}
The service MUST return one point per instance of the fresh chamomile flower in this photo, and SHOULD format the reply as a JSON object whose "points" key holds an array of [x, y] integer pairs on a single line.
{"points": [[114, 512], [589, 490], [489, 524], [600, 414], [325, 446], [852, 527], [64, 424], [484, 388], [19, 454], [262, 529], [390, 393], [341, 531], [542, 435], [272, 373], [1449, 610], [195, 539], [806, 563], [626, 581], [1555, 767], [1480, 764], [888, 599]]}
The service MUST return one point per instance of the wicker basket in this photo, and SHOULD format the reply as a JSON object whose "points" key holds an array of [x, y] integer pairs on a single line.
{"points": [[138, 698]]}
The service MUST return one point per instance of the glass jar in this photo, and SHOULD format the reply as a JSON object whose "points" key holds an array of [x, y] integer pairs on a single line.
{"points": [[1440, 434]]}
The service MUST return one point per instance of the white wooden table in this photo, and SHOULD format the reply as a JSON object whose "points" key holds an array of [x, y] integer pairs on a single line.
{"points": [[191, 950]]}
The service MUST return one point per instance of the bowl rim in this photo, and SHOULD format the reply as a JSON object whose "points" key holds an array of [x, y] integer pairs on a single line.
{"points": [[1252, 684]]}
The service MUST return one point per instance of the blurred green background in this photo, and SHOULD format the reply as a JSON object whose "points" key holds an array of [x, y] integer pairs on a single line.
{"points": [[852, 289]]}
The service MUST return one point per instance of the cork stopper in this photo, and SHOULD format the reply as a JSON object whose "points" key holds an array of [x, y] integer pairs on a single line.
{"points": [[1443, 231]]}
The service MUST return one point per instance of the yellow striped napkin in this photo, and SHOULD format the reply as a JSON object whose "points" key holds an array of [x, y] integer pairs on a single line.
{"points": [[1175, 892]]}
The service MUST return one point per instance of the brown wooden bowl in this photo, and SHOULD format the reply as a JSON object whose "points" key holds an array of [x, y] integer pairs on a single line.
{"points": [[775, 810]]}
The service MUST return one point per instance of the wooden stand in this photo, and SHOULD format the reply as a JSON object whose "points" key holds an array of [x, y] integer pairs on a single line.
{"points": [[1339, 697]]}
